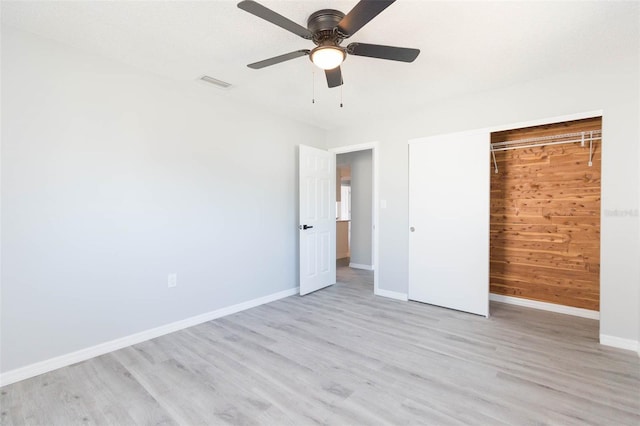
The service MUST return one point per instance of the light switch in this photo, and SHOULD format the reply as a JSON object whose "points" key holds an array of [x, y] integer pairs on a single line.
{"points": [[383, 204]]}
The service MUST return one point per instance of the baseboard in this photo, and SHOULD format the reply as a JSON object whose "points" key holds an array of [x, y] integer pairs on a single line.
{"points": [[42, 367], [392, 294], [361, 266], [561, 309], [620, 343]]}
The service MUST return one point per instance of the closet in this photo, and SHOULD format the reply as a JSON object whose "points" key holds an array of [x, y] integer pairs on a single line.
{"points": [[545, 213]]}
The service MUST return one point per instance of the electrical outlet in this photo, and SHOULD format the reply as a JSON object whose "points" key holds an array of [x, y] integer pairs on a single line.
{"points": [[172, 280]]}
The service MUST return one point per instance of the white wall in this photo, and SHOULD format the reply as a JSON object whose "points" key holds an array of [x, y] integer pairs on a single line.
{"points": [[611, 84], [112, 179], [361, 163]]}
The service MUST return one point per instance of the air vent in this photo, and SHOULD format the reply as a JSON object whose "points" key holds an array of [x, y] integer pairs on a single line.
{"points": [[219, 83]]}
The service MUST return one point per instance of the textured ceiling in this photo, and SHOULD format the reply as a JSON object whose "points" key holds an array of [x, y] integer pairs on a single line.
{"points": [[466, 47]]}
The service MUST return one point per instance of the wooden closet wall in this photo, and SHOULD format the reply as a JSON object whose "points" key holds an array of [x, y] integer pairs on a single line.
{"points": [[545, 218]]}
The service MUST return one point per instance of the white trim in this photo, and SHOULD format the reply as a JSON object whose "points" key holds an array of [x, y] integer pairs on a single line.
{"points": [[544, 306], [548, 120], [618, 342], [374, 147], [462, 133], [353, 148], [51, 364], [391, 294], [361, 266]]}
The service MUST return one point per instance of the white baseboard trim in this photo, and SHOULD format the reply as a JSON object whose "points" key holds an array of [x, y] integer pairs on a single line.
{"points": [[392, 295], [361, 266], [618, 342], [45, 366], [561, 309]]}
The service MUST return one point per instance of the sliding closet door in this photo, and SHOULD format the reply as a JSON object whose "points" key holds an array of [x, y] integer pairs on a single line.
{"points": [[449, 221]]}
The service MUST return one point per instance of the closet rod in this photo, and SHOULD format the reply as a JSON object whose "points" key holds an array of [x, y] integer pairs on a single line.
{"points": [[547, 140], [507, 148], [584, 137]]}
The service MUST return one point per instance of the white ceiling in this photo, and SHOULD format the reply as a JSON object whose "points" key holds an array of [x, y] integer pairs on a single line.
{"points": [[465, 47]]}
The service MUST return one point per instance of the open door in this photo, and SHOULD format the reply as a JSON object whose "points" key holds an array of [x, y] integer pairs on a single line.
{"points": [[449, 221], [317, 224]]}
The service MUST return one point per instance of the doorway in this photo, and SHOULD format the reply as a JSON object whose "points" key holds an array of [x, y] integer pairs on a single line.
{"points": [[356, 213]]}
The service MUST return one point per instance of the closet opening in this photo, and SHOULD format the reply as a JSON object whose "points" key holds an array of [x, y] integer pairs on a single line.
{"points": [[545, 216]]}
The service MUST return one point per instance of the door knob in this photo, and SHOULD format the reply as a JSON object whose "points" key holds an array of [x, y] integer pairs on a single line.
{"points": [[412, 229], [305, 227]]}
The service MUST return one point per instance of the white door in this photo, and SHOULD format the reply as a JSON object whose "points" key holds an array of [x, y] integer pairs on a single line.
{"points": [[449, 186], [317, 225]]}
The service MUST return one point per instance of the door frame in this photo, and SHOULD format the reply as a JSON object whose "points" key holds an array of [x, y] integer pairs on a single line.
{"points": [[373, 146]]}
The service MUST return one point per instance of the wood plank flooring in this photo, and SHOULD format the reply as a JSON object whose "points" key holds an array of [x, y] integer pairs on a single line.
{"points": [[343, 356]]}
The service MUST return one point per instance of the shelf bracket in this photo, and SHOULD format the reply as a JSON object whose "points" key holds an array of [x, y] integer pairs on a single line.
{"points": [[590, 148], [495, 163]]}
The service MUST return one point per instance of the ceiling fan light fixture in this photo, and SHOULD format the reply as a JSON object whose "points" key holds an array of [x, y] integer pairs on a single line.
{"points": [[327, 29], [327, 57]]}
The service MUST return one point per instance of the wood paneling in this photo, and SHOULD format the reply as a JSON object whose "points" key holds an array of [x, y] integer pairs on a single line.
{"points": [[545, 219]]}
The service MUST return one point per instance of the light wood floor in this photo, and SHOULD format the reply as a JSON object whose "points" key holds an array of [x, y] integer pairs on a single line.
{"points": [[343, 356]]}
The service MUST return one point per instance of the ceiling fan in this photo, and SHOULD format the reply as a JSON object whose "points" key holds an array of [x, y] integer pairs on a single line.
{"points": [[327, 28]]}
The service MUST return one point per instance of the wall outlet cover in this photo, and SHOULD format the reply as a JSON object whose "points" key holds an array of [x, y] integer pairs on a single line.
{"points": [[172, 280]]}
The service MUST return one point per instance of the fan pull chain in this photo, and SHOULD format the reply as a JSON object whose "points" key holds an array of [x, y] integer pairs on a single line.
{"points": [[313, 87], [342, 85]]}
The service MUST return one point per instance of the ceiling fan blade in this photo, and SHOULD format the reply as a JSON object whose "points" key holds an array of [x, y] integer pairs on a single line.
{"points": [[278, 59], [360, 15], [403, 54], [334, 77], [269, 15]]}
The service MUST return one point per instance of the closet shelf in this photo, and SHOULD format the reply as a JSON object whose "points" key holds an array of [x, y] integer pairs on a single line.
{"points": [[582, 137]]}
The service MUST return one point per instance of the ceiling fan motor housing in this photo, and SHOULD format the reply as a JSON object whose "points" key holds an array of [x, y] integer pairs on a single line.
{"points": [[323, 25]]}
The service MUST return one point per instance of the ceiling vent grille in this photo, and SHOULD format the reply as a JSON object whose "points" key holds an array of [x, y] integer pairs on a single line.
{"points": [[218, 83]]}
